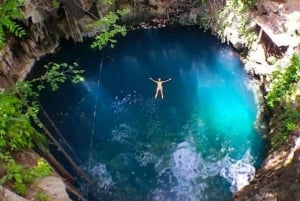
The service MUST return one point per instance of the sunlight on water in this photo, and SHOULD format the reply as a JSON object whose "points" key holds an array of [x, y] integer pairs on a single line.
{"points": [[198, 144]]}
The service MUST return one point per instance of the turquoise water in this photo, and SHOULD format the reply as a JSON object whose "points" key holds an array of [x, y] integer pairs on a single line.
{"points": [[198, 144]]}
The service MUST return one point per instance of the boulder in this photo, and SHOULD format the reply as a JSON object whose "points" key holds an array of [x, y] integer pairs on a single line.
{"points": [[7, 195], [54, 187]]}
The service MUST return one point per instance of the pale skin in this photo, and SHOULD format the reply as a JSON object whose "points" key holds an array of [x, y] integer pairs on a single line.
{"points": [[159, 88]]}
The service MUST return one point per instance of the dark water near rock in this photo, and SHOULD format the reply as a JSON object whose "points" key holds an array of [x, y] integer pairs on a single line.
{"points": [[198, 144]]}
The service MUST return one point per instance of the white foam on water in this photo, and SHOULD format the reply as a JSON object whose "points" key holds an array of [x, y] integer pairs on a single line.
{"points": [[101, 177], [191, 170], [121, 133], [186, 166], [239, 173], [185, 162], [145, 158]]}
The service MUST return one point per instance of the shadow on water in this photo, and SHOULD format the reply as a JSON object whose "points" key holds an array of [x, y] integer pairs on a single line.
{"points": [[199, 143]]}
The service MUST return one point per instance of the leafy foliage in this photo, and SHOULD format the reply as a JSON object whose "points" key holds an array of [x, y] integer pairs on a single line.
{"points": [[244, 3], [108, 2], [23, 177], [283, 97], [42, 169], [42, 196], [203, 2], [55, 3], [284, 84], [234, 16], [109, 29], [57, 74], [18, 110], [9, 13], [16, 132], [203, 22]]}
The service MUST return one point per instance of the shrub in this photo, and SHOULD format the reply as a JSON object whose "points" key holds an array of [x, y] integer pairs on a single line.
{"points": [[279, 98]]}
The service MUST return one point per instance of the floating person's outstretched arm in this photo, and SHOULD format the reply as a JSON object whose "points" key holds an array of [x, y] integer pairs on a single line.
{"points": [[150, 78], [167, 80]]}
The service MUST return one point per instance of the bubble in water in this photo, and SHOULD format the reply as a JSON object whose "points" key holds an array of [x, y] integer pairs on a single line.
{"points": [[145, 158], [121, 133], [101, 177], [119, 105]]}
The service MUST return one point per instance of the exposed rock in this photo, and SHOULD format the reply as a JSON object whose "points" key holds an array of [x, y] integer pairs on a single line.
{"points": [[7, 195], [134, 15], [54, 188], [278, 179], [46, 26], [279, 21], [190, 18], [161, 7]]}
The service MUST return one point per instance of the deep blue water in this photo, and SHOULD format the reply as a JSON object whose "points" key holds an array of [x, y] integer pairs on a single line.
{"points": [[198, 144]]}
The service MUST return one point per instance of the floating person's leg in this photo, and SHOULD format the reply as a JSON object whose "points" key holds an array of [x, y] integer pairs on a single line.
{"points": [[162, 93], [156, 93]]}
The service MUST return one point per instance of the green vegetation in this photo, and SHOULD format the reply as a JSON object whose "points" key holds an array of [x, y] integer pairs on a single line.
{"points": [[19, 105], [283, 98], [18, 110], [9, 13], [55, 3], [284, 83], [203, 22], [42, 196], [232, 19], [244, 4], [235, 15], [23, 177], [108, 2], [108, 29], [203, 2]]}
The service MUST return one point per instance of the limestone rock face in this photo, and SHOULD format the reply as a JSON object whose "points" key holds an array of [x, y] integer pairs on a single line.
{"points": [[46, 25], [54, 188], [279, 178], [7, 195]]}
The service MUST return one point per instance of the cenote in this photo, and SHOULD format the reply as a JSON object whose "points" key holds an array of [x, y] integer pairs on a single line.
{"points": [[197, 144]]}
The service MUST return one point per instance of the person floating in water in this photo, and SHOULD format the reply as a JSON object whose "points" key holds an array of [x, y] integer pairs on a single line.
{"points": [[159, 87]]}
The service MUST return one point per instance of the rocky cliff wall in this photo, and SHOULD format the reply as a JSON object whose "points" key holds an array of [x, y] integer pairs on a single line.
{"points": [[278, 23], [46, 25]]}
